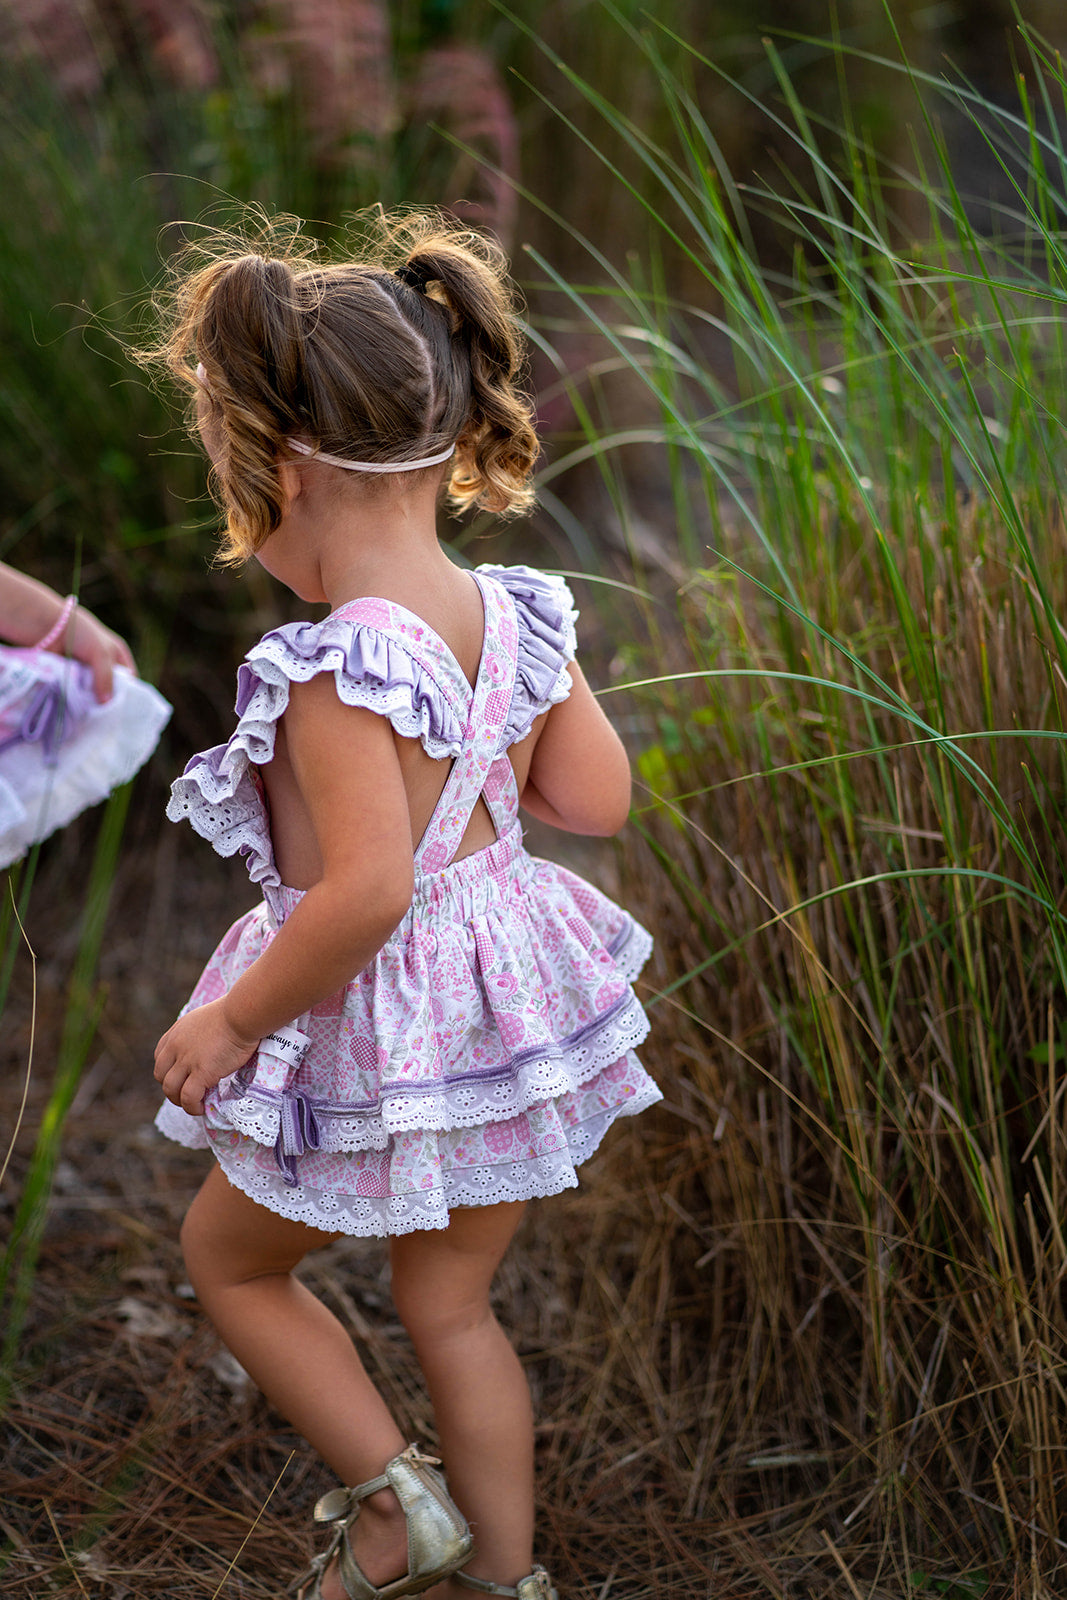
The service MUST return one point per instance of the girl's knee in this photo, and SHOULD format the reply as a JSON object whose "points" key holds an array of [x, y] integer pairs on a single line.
{"points": [[229, 1238], [197, 1246], [431, 1314], [212, 1249], [441, 1281]]}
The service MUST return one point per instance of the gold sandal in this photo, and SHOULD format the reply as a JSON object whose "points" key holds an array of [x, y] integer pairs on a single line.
{"points": [[538, 1586], [439, 1539]]}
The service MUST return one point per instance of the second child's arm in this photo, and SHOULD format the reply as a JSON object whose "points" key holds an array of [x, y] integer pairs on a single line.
{"points": [[29, 609], [345, 763]]}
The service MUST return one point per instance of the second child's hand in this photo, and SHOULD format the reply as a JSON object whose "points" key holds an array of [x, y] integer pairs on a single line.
{"points": [[197, 1053]]}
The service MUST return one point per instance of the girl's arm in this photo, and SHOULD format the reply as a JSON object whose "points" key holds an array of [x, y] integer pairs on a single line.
{"points": [[29, 610], [345, 762], [579, 775]]}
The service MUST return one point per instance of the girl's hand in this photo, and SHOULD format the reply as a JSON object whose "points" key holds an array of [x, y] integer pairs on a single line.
{"points": [[197, 1053]]}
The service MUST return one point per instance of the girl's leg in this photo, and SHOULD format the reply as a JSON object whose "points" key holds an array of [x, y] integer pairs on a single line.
{"points": [[240, 1258], [480, 1397]]}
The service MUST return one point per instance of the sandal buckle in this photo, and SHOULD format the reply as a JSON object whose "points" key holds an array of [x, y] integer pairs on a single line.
{"points": [[334, 1504]]}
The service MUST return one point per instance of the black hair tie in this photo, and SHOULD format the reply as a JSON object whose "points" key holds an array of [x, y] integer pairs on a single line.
{"points": [[415, 277]]}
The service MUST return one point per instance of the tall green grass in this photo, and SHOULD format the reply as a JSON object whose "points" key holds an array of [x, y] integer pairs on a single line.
{"points": [[854, 771], [83, 1004]]}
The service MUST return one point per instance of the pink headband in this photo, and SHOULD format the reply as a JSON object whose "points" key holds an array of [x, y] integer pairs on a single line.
{"points": [[369, 466], [338, 461]]}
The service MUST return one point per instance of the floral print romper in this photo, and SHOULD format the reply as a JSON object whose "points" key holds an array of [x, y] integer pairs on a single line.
{"points": [[488, 1046]]}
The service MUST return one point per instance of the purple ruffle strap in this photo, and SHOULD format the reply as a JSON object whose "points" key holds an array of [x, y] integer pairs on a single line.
{"points": [[216, 792], [423, 697], [546, 644], [359, 657]]}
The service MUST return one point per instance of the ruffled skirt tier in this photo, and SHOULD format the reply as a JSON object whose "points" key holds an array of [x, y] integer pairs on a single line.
{"points": [[479, 1058]]}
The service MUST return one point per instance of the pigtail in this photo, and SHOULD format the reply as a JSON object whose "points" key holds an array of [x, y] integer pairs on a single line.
{"points": [[239, 319], [250, 344], [496, 445]]}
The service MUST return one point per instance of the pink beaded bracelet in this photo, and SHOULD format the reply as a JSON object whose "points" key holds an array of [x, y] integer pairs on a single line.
{"points": [[57, 629]]}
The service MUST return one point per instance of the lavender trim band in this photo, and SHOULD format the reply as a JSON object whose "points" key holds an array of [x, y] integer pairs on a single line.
{"points": [[298, 1112]]}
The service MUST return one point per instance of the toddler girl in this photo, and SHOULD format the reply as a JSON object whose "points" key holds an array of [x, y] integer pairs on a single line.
{"points": [[421, 1027]]}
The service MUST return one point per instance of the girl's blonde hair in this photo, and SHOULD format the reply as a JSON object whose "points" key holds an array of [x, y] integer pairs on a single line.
{"points": [[351, 359]]}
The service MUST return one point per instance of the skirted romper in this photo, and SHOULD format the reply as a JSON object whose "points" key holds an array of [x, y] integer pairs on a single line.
{"points": [[488, 1046]]}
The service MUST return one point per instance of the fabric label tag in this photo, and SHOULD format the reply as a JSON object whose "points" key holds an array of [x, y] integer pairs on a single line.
{"points": [[285, 1044]]}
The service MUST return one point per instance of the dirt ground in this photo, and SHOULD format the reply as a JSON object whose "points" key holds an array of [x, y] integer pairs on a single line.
{"points": [[138, 1460]]}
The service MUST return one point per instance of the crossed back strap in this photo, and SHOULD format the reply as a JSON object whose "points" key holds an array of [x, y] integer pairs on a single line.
{"points": [[479, 772]]}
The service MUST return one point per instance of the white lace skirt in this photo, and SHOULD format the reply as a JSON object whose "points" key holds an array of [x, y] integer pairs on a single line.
{"points": [[60, 750]]}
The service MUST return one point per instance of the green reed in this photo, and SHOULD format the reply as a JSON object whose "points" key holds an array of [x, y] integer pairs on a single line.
{"points": [[83, 1006], [852, 773]]}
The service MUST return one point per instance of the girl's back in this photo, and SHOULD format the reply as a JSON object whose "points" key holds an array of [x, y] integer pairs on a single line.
{"points": [[452, 610], [580, 780]]}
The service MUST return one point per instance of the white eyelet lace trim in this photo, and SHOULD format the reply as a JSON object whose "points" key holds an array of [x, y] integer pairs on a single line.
{"points": [[410, 1213]]}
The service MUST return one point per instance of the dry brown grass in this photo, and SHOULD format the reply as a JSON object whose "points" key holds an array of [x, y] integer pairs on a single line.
{"points": [[799, 1333], [871, 1085], [136, 1459]]}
